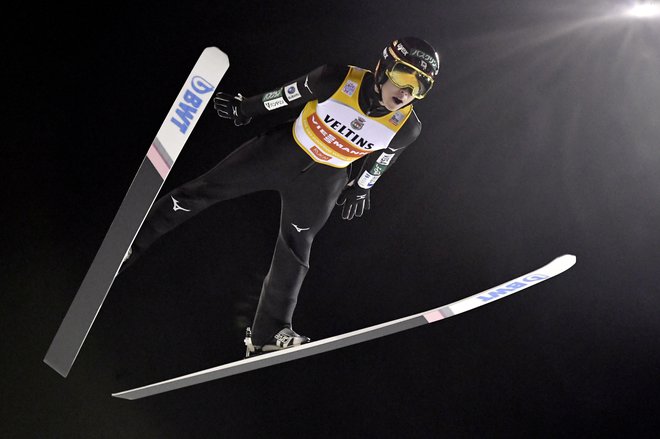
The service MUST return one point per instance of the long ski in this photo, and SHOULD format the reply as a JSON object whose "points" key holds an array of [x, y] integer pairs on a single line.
{"points": [[163, 152], [554, 268]]}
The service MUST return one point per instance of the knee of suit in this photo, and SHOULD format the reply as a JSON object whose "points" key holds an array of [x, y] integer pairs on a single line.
{"points": [[299, 246]]}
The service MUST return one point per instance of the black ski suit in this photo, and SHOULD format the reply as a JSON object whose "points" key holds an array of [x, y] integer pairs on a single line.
{"points": [[274, 161]]}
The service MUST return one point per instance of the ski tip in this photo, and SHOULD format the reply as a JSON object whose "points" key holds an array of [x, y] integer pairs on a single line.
{"points": [[212, 50], [565, 261]]}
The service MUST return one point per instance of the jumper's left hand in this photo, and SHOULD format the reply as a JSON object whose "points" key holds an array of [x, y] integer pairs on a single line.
{"points": [[355, 201]]}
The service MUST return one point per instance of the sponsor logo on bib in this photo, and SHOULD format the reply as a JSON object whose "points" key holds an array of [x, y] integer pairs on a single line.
{"points": [[396, 118], [358, 123], [349, 88]]}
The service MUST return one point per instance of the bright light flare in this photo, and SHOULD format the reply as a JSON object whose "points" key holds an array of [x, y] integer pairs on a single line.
{"points": [[645, 10]]}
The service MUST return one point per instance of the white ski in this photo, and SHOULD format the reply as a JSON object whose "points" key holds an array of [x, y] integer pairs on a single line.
{"points": [[163, 152], [490, 295]]}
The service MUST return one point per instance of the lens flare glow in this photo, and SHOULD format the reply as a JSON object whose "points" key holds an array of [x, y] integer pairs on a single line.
{"points": [[645, 10]]}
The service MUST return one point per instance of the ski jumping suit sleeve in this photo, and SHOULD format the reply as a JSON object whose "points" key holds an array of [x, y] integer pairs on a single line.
{"points": [[306, 162]]}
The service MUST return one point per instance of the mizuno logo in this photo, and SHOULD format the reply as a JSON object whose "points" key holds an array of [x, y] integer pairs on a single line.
{"points": [[361, 197], [299, 229], [176, 205], [306, 84]]}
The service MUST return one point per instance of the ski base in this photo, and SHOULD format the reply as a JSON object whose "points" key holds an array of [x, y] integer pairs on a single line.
{"points": [[163, 152], [74, 328], [548, 271]]}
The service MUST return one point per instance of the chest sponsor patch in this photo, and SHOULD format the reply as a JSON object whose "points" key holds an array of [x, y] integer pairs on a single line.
{"points": [[358, 123], [337, 144]]}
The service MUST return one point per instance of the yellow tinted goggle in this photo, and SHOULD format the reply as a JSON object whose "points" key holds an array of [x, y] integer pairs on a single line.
{"points": [[404, 75]]}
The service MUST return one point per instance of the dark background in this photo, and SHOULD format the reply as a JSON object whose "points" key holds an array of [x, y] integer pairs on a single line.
{"points": [[540, 139]]}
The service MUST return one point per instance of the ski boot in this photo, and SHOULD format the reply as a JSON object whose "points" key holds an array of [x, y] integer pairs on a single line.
{"points": [[127, 255], [127, 261], [285, 338], [130, 257]]}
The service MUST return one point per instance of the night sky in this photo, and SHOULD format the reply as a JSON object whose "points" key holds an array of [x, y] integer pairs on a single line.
{"points": [[541, 138]]}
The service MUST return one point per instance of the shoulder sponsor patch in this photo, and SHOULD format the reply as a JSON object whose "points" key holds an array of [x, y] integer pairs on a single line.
{"points": [[377, 169], [385, 159], [367, 180], [349, 87], [272, 95], [292, 92], [273, 100], [275, 103]]}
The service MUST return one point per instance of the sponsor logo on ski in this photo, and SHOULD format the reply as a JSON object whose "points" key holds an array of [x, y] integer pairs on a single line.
{"points": [[512, 287], [191, 102]]}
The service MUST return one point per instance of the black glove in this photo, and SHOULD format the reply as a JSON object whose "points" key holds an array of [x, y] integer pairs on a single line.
{"points": [[228, 107], [355, 201]]}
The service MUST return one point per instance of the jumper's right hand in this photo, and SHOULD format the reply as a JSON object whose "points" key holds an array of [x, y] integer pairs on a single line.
{"points": [[355, 201], [229, 107]]}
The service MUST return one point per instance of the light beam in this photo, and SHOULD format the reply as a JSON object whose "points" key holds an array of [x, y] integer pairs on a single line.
{"points": [[647, 9]]}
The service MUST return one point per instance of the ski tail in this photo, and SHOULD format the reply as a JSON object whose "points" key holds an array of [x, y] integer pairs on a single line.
{"points": [[181, 119], [554, 268]]}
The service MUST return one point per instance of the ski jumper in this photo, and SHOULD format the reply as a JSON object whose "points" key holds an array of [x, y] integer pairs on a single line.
{"points": [[307, 161]]}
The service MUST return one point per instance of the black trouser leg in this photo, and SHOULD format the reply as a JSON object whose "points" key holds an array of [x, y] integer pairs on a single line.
{"points": [[247, 169], [307, 202], [308, 190]]}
